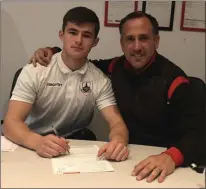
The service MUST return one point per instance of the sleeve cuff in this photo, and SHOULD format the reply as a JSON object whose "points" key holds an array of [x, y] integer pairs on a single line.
{"points": [[176, 156]]}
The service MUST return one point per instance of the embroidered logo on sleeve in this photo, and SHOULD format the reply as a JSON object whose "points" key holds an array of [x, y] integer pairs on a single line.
{"points": [[86, 87]]}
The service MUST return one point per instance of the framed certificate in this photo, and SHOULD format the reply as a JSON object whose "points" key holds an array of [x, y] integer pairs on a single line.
{"points": [[193, 16], [116, 10], [163, 11]]}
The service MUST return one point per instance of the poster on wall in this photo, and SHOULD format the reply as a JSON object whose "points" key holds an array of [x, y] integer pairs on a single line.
{"points": [[193, 16], [116, 10], [163, 11]]}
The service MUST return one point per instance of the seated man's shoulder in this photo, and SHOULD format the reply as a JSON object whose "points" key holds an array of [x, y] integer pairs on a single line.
{"points": [[171, 70], [40, 69]]}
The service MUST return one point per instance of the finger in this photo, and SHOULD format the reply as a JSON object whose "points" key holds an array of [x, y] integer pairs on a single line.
{"points": [[51, 151], [64, 144], [117, 150], [45, 55], [54, 146], [125, 156], [40, 59], [140, 166], [120, 154], [34, 62], [41, 52], [49, 55], [110, 150], [59, 140], [61, 143], [145, 172], [102, 150], [46, 155], [154, 174], [162, 176]]}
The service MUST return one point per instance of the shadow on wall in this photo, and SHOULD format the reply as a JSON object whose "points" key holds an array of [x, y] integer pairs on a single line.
{"points": [[13, 56], [99, 126]]}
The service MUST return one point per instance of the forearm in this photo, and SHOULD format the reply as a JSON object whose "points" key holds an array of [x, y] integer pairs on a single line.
{"points": [[188, 110], [191, 146], [18, 132], [119, 132], [118, 129]]}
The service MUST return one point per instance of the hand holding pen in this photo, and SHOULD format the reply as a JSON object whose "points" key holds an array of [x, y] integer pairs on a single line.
{"points": [[57, 134], [50, 145]]}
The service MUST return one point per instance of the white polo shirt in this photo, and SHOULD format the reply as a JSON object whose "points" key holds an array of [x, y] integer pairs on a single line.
{"points": [[61, 97]]}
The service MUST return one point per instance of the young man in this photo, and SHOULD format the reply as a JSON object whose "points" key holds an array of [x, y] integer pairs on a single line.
{"points": [[154, 96], [63, 95]]}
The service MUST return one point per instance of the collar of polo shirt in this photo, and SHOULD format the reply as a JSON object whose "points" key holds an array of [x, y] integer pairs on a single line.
{"points": [[66, 70]]}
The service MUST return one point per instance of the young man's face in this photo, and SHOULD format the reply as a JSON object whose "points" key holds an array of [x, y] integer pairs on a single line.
{"points": [[138, 41], [78, 40]]}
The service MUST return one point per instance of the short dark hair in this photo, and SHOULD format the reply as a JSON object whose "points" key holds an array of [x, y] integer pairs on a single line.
{"points": [[80, 15], [140, 14]]}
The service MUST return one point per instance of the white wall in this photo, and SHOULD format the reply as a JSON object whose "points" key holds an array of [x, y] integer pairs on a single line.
{"points": [[28, 25]]}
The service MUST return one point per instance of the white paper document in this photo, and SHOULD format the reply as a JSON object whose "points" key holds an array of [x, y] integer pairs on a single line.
{"points": [[7, 145], [119, 9], [159, 8], [195, 14], [82, 159]]}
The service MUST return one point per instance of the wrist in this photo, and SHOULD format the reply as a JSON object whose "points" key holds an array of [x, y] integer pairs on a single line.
{"points": [[176, 156], [120, 140], [32, 140], [120, 136]]}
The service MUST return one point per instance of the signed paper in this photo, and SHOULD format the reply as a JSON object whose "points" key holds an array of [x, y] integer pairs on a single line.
{"points": [[82, 159]]}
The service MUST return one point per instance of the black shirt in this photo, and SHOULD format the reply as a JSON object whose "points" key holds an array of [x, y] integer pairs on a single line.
{"points": [[143, 102]]}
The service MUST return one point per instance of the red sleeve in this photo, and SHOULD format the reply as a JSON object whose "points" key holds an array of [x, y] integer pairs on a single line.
{"points": [[176, 156]]}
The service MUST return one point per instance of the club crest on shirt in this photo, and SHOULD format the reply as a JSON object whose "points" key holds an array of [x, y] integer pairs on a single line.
{"points": [[86, 87]]}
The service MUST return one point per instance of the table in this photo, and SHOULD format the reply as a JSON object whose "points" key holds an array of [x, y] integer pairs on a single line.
{"points": [[23, 168]]}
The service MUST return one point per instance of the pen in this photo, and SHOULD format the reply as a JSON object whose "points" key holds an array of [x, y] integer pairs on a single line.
{"points": [[57, 134], [71, 172]]}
